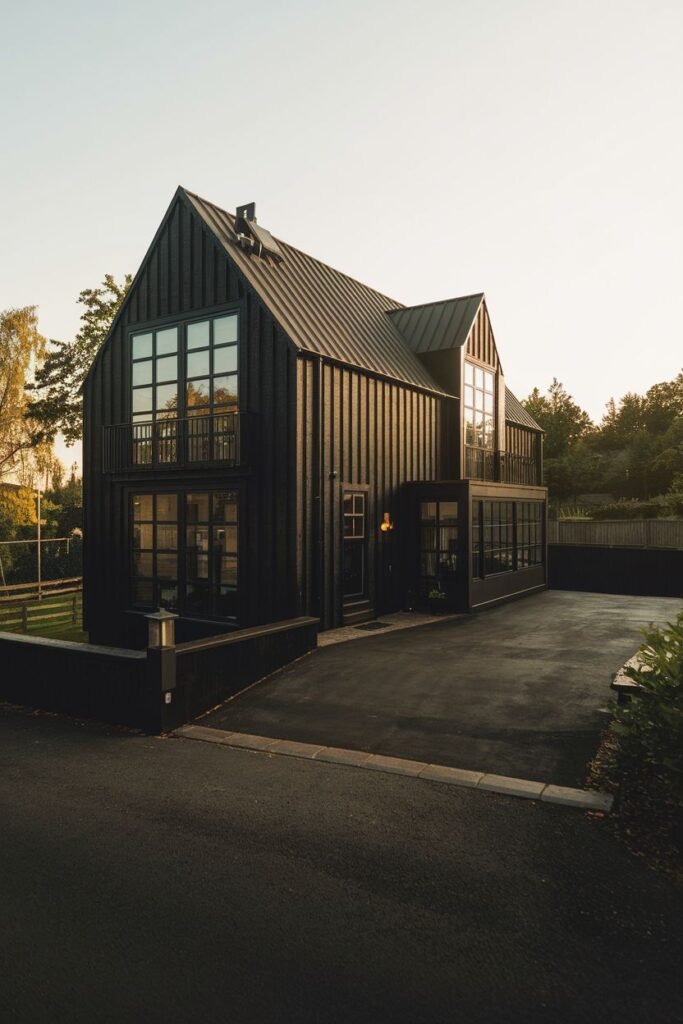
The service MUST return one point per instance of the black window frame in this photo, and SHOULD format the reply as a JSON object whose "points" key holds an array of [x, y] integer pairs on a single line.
{"points": [[181, 604], [356, 538], [440, 528], [207, 433], [506, 537]]}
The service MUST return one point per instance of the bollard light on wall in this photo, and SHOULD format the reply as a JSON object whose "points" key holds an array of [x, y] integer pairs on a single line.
{"points": [[386, 525], [161, 628]]}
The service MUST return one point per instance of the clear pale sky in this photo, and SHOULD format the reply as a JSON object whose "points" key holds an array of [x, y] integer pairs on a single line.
{"points": [[531, 149]]}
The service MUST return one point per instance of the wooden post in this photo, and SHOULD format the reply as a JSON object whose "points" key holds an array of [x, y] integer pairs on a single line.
{"points": [[73, 609], [24, 617]]}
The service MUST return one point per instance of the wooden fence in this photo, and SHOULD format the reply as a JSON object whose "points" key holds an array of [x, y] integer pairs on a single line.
{"points": [[608, 533], [22, 607]]}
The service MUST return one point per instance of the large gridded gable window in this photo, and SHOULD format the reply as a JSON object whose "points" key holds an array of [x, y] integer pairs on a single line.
{"points": [[211, 387], [479, 406], [154, 399], [186, 373], [506, 536]]}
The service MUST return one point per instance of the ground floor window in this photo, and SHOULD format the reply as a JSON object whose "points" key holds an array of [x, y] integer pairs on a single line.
{"points": [[438, 544], [186, 552], [354, 580], [506, 536]]}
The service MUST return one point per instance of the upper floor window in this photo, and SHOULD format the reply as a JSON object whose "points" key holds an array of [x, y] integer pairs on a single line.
{"points": [[479, 395], [186, 376]]}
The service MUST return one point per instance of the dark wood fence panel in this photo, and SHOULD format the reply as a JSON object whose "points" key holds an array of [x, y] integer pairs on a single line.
{"points": [[632, 533], [651, 572]]}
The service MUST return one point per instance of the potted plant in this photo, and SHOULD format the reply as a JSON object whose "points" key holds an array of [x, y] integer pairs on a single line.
{"points": [[437, 601]]}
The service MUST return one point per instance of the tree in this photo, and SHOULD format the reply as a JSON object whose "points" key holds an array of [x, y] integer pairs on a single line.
{"points": [[22, 349], [57, 404], [568, 463]]}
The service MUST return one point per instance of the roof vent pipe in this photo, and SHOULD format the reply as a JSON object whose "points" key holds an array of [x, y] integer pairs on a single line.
{"points": [[243, 215]]}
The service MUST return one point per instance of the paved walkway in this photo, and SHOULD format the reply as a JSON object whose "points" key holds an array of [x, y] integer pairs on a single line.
{"points": [[520, 690]]}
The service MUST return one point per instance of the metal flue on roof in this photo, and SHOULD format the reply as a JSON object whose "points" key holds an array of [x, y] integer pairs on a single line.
{"points": [[322, 310], [437, 326]]}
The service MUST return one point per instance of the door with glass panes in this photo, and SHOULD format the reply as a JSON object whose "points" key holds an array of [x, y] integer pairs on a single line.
{"points": [[440, 569], [354, 568]]}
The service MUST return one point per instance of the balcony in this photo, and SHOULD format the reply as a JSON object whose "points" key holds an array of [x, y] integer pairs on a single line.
{"points": [[500, 467], [195, 441]]}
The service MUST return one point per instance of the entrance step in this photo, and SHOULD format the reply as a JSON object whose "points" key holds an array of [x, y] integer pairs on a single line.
{"points": [[357, 611]]}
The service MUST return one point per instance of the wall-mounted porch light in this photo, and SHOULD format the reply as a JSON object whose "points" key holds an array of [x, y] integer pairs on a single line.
{"points": [[386, 525]]}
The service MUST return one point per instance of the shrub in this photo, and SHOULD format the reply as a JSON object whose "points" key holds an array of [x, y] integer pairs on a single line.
{"points": [[628, 510], [650, 726]]}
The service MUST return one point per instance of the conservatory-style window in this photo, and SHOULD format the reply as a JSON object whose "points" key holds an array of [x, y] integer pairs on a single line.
{"points": [[155, 550], [506, 536], [185, 552]]}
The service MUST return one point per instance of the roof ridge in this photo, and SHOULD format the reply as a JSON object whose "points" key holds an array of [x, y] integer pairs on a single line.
{"points": [[439, 302], [397, 305]]}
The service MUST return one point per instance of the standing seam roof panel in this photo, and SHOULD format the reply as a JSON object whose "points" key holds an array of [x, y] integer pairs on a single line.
{"points": [[437, 326], [322, 310]]}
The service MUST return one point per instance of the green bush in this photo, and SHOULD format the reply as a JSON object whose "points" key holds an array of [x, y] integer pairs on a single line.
{"points": [[650, 725], [628, 510]]}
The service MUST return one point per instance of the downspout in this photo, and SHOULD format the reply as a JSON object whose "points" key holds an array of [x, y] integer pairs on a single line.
{"points": [[318, 455]]}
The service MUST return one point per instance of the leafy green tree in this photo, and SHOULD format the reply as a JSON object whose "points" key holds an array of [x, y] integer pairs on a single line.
{"points": [[57, 405], [22, 348], [568, 460]]}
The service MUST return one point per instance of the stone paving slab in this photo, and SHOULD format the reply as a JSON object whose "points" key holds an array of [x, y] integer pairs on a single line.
{"points": [[451, 776], [402, 766], [399, 765], [515, 787], [335, 755]]}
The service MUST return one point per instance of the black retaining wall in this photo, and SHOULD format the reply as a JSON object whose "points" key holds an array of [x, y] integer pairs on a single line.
{"points": [[150, 690], [210, 670], [105, 683], [643, 572]]}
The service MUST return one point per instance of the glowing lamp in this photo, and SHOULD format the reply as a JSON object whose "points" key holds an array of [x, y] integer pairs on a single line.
{"points": [[386, 525]]}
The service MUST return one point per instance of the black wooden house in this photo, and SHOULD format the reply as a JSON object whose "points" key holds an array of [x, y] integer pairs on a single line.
{"points": [[265, 437]]}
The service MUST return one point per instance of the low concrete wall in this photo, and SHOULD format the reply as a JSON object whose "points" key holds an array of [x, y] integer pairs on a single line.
{"points": [[106, 683], [209, 671], [642, 572]]}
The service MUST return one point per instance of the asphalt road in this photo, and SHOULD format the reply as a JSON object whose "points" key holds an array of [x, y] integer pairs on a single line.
{"points": [[517, 690], [168, 880]]}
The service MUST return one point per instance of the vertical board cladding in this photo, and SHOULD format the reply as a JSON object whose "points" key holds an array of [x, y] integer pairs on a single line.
{"points": [[185, 272], [365, 432], [481, 344]]}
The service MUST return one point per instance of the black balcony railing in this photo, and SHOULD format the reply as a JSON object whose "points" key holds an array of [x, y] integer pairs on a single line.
{"points": [[519, 469], [172, 443], [480, 463], [501, 467]]}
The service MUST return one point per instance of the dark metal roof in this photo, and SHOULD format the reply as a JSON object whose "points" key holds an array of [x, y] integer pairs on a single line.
{"points": [[321, 310], [437, 326], [516, 413]]}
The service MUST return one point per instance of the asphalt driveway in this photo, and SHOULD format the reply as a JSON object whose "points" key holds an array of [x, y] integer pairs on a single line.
{"points": [[519, 690]]}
